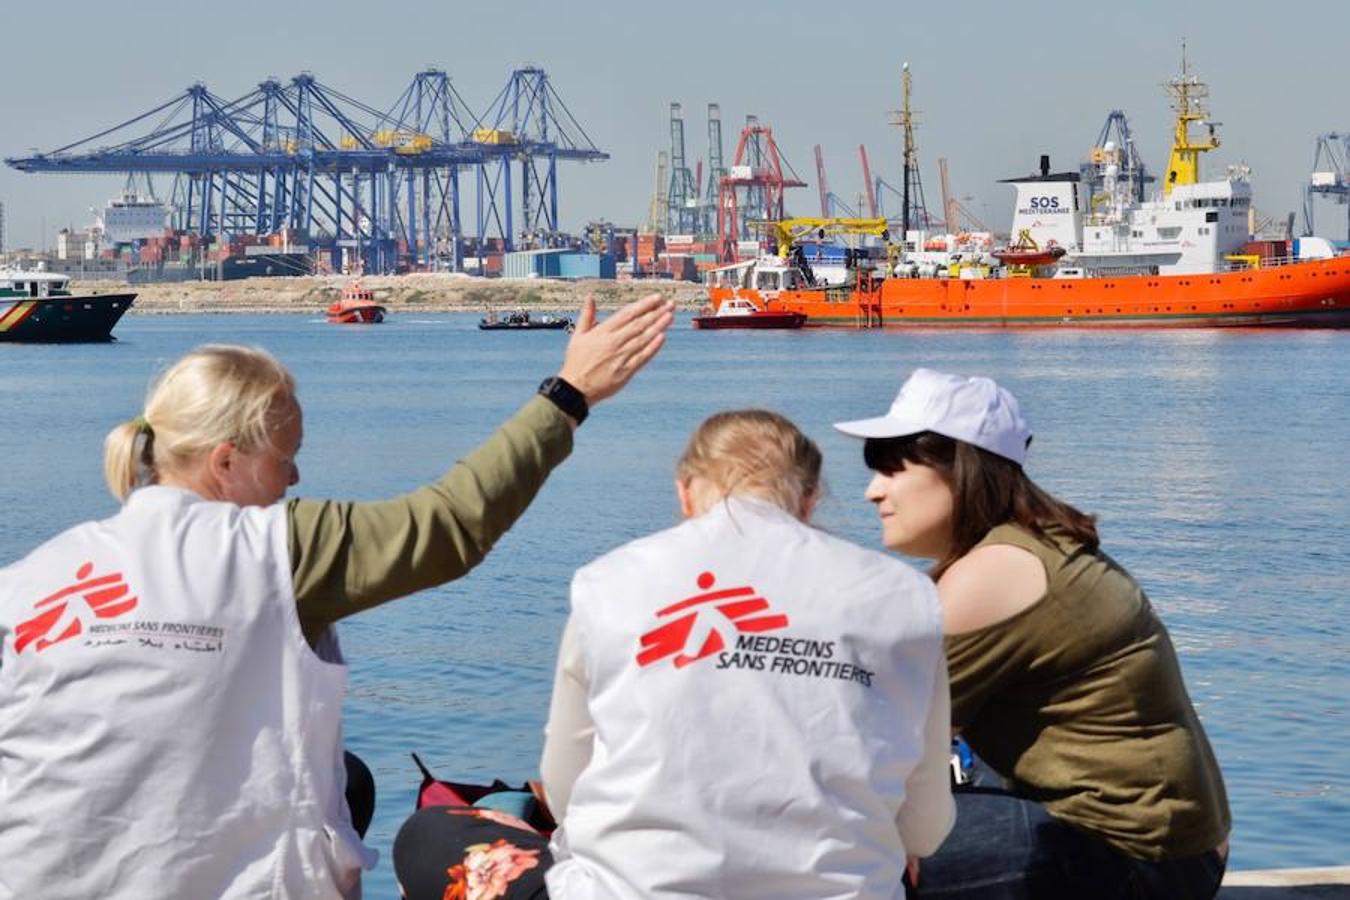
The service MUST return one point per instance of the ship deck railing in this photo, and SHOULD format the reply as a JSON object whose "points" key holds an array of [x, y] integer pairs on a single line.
{"points": [[1272, 262]]}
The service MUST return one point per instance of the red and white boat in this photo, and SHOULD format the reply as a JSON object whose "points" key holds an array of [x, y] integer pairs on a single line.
{"points": [[356, 306], [739, 312]]}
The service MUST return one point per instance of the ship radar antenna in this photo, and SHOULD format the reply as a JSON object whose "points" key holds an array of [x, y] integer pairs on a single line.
{"points": [[1188, 94]]}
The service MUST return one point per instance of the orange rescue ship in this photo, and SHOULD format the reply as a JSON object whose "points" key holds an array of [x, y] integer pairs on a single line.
{"points": [[1178, 260]]}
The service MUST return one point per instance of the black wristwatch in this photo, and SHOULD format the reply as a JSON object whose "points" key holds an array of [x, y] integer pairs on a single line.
{"points": [[566, 397]]}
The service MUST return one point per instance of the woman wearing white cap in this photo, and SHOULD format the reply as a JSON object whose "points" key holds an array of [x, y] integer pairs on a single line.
{"points": [[1063, 679]]}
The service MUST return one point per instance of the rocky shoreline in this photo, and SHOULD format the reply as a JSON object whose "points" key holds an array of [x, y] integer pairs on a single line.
{"points": [[399, 293]]}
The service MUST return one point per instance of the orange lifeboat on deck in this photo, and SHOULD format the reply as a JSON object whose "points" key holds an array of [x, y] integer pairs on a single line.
{"points": [[1026, 252], [1046, 257]]}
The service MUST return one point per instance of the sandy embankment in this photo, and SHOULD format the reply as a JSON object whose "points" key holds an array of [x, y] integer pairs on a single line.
{"points": [[400, 293]]}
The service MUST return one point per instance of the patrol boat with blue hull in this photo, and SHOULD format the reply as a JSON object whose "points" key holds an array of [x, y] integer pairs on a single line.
{"points": [[37, 307]]}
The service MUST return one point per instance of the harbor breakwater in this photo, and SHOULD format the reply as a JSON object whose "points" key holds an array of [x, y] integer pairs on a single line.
{"points": [[438, 292]]}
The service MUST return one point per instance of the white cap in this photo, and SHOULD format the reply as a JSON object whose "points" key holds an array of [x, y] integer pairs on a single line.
{"points": [[974, 410]]}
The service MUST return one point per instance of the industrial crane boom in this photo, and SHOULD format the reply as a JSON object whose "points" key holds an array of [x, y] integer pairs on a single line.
{"points": [[787, 232]]}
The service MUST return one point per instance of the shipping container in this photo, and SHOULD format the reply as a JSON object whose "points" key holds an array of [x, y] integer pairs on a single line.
{"points": [[1267, 250], [532, 263], [681, 266], [586, 265]]}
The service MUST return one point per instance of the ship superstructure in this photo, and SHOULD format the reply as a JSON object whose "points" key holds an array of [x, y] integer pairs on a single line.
{"points": [[132, 217]]}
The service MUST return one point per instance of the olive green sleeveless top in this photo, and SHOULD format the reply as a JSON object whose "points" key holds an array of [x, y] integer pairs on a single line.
{"points": [[1078, 702]]}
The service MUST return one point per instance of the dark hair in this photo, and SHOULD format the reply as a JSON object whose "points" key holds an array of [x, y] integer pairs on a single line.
{"points": [[989, 490]]}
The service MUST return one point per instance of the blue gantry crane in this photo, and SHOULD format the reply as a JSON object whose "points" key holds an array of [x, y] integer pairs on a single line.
{"points": [[428, 115], [1330, 175], [528, 124], [336, 175], [1115, 147]]}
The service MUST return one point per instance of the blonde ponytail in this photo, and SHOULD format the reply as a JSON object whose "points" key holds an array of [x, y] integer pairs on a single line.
{"points": [[215, 394], [128, 457]]}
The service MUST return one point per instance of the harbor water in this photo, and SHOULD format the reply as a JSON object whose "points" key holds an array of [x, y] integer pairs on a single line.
{"points": [[1214, 459]]}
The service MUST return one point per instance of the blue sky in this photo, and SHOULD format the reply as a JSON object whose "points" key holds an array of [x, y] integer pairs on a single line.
{"points": [[997, 84]]}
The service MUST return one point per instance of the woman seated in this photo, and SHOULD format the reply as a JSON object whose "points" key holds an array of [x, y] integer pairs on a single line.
{"points": [[744, 706], [170, 686], [1062, 677]]}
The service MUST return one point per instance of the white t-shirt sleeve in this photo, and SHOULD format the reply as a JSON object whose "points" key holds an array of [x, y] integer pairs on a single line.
{"points": [[929, 810], [569, 733]]}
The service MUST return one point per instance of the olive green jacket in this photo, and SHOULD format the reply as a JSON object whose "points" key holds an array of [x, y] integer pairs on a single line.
{"points": [[346, 557]]}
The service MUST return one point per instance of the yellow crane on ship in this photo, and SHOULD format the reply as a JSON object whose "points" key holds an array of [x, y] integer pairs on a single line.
{"points": [[787, 232]]}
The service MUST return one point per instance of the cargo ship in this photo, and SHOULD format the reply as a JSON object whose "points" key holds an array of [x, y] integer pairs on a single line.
{"points": [[1179, 260], [38, 307]]}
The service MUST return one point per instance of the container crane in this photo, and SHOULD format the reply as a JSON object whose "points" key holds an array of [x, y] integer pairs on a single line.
{"points": [[948, 201], [682, 195], [338, 173], [1330, 175], [716, 170], [867, 182], [1115, 147], [541, 132], [831, 204], [656, 215], [753, 187], [821, 183], [953, 213]]}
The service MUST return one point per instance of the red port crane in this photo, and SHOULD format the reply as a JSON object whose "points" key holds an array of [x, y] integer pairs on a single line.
{"points": [[752, 188], [820, 180], [867, 180]]}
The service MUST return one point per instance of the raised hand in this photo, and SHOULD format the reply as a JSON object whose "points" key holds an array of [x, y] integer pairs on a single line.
{"points": [[602, 358]]}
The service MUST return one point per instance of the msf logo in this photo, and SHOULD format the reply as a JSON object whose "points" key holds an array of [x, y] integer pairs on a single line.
{"points": [[738, 607], [61, 616]]}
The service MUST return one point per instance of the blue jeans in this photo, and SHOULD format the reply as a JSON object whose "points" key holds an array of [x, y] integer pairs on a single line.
{"points": [[1006, 847]]}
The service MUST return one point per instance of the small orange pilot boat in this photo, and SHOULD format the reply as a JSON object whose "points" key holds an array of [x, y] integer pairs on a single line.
{"points": [[356, 306]]}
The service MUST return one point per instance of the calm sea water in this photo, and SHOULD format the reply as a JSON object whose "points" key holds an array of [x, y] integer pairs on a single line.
{"points": [[1215, 460]]}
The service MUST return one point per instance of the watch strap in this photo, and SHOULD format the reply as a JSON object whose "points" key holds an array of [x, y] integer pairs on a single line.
{"points": [[566, 397]]}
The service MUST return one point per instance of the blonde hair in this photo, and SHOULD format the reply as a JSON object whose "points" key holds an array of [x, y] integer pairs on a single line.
{"points": [[215, 394], [754, 451]]}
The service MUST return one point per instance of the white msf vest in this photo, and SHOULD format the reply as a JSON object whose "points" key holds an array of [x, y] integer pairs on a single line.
{"points": [[759, 691], [165, 731]]}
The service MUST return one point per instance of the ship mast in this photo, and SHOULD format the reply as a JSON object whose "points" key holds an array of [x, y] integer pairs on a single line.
{"points": [[1188, 93], [906, 119]]}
